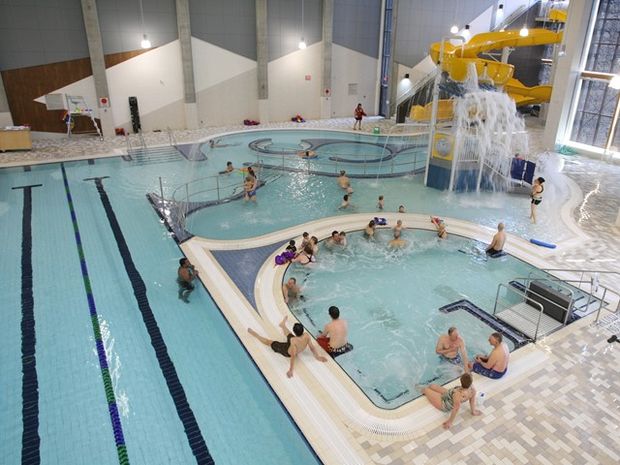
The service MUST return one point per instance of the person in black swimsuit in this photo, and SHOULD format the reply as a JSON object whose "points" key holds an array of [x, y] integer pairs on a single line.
{"points": [[296, 343]]}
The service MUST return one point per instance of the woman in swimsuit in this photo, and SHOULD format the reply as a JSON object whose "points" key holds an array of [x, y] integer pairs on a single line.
{"points": [[305, 257], [536, 195], [450, 400]]}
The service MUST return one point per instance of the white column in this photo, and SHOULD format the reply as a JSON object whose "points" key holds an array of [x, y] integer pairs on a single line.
{"points": [[328, 32], [573, 52]]}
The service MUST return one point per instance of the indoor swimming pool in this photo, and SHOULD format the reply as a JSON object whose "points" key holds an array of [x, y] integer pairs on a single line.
{"points": [[391, 300], [184, 389]]}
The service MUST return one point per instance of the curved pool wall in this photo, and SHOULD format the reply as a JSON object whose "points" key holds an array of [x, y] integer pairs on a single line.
{"points": [[394, 302], [222, 385]]}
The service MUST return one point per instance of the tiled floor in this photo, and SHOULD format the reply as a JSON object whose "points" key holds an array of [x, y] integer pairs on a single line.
{"points": [[566, 413]]}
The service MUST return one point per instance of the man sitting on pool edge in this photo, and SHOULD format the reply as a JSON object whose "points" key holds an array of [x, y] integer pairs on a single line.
{"points": [[295, 344], [333, 338], [495, 365], [451, 347]]}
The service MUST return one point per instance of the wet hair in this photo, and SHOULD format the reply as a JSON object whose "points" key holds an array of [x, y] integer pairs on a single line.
{"points": [[466, 380], [359, 104], [334, 233], [342, 233], [540, 179], [334, 312], [345, 198], [182, 261], [451, 329], [498, 337], [305, 234], [292, 279], [342, 172], [399, 222], [308, 249], [228, 163], [401, 207], [291, 242], [380, 197], [371, 223], [298, 329], [314, 239]]}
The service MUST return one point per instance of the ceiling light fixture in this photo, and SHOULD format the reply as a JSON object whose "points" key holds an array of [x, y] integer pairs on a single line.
{"points": [[145, 43], [302, 43]]}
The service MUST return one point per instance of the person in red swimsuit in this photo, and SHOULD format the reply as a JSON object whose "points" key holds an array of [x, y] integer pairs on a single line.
{"points": [[359, 114]]}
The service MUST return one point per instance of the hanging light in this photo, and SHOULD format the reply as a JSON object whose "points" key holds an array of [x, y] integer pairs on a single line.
{"points": [[614, 82], [466, 32], [302, 43], [524, 32], [454, 29], [146, 43]]}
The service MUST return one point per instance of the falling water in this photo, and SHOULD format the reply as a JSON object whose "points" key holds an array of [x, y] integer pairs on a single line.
{"points": [[489, 132]]}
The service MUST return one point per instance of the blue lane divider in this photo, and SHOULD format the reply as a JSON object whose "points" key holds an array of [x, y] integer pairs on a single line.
{"points": [[184, 411], [117, 427], [31, 441]]}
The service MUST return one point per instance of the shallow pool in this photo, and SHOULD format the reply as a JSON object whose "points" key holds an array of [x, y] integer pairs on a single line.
{"points": [[391, 300]]}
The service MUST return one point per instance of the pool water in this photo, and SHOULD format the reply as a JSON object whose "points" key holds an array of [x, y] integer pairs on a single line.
{"points": [[391, 301], [238, 415]]}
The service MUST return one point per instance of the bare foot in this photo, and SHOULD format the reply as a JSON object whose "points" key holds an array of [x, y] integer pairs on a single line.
{"points": [[283, 322], [252, 332]]}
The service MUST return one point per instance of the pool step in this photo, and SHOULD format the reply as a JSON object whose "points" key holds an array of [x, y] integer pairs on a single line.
{"points": [[524, 318], [152, 156]]}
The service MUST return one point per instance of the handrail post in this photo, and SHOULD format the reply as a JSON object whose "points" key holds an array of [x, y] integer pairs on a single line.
{"points": [[217, 184], [539, 318], [600, 307], [161, 191], [496, 298]]}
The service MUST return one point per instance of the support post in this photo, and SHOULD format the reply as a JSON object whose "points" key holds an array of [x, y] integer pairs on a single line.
{"points": [[187, 63], [262, 60], [97, 63], [328, 30]]}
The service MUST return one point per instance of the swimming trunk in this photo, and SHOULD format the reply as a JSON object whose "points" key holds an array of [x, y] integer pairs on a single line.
{"points": [[282, 347], [323, 341], [185, 285], [493, 252], [358, 118], [447, 399], [455, 361], [251, 193], [536, 201], [478, 368]]}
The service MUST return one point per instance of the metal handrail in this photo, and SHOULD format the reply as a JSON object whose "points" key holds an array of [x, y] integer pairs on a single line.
{"points": [[525, 297], [424, 80]]}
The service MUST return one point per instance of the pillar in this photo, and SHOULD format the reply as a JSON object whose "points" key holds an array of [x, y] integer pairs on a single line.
{"points": [[187, 63], [262, 61], [567, 72], [5, 111], [97, 63], [328, 32], [393, 66]]}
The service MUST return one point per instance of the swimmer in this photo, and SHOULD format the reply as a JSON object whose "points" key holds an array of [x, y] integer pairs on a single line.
{"points": [[343, 180], [291, 246], [290, 290], [398, 227], [334, 336], [305, 257], [494, 365], [333, 240], [343, 239], [229, 168], [295, 344], [401, 209], [440, 225], [307, 154], [397, 242], [369, 231], [249, 187], [314, 243], [185, 275], [251, 172], [305, 239], [497, 244], [451, 347], [450, 400], [345, 203], [380, 203], [536, 196]]}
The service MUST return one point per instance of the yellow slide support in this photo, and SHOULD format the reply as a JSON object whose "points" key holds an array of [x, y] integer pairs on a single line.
{"points": [[457, 58], [445, 111]]}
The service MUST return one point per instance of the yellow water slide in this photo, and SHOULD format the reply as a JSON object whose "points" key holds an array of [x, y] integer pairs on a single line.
{"points": [[557, 15], [456, 60]]}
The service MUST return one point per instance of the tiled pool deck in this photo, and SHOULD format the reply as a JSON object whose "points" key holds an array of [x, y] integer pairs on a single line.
{"points": [[567, 412]]}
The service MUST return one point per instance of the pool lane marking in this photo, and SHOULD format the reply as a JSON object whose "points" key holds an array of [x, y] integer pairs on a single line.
{"points": [[184, 411], [117, 427], [31, 441]]}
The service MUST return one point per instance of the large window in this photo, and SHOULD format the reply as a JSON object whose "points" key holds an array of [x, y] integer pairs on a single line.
{"points": [[598, 106]]}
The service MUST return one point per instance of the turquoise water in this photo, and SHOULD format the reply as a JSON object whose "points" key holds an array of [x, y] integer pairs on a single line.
{"points": [[239, 416], [292, 198], [391, 300]]}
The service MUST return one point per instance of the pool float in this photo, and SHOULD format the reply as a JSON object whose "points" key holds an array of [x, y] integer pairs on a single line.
{"points": [[380, 221], [543, 244]]}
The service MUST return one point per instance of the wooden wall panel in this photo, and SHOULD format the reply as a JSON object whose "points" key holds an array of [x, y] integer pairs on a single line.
{"points": [[23, 85]]}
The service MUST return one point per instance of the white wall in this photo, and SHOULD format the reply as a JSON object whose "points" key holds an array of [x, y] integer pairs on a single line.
{"points": [[348, 67], [289, 92]]}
